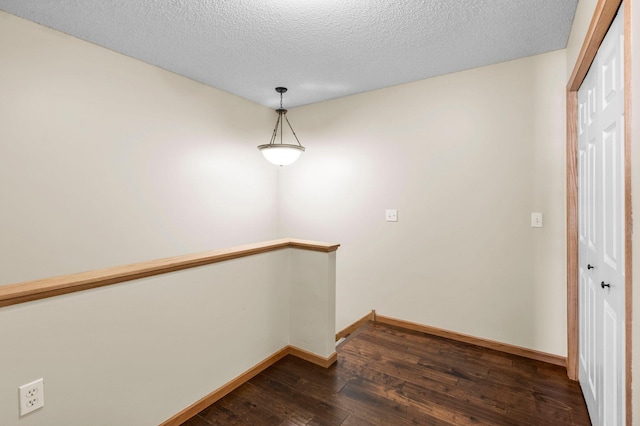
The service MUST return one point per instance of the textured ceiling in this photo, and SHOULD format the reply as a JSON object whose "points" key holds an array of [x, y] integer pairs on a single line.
{"points": [[319, 49]]}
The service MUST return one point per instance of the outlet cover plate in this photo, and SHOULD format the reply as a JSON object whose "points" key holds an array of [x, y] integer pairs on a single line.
{"points": [[536, 220], [31, 396]]}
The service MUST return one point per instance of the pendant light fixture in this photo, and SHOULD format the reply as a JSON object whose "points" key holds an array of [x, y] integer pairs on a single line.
{"points": [[279, 153]]}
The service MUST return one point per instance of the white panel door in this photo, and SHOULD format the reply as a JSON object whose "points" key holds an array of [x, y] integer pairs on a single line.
{"points": [[601, 232]]}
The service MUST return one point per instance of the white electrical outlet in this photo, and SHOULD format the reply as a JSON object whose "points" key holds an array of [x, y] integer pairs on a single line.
{"points": [[391, 215], [31, 396]]}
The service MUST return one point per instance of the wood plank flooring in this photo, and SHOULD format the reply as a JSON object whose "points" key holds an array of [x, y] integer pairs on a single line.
{"points": [[391, 376]]}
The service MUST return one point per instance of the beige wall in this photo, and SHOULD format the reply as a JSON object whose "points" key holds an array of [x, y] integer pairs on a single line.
{"points": [[139, 352], [581, 21], [106, 160], [465, 158], [313, 301]]}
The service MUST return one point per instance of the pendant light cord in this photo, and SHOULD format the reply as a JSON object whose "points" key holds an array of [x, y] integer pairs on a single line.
{"points": [[281, 131], [280, 123]]}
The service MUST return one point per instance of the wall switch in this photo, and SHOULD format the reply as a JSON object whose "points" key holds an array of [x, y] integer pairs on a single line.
{"points": [[31, 396], [391, 215], [536, 220]]}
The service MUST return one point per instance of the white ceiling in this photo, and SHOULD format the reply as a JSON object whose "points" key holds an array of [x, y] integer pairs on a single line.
{"points": [[319, 49]]}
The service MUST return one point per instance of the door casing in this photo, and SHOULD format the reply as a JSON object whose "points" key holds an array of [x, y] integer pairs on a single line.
{"points": [[603, 16]]}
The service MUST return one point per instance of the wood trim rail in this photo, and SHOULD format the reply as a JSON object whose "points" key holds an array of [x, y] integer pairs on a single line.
{"points": [[12, 294], [602, 18], [628, 211], [313, 358], [485, 343], [572, 234], [371, 316], [234, 384], [227, 388]]}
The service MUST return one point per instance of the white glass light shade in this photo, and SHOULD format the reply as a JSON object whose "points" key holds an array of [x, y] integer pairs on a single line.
{"points": [[281, 154]]}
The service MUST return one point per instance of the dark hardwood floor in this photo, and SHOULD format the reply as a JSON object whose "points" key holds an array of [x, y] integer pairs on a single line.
{"points": [[391, 376]]}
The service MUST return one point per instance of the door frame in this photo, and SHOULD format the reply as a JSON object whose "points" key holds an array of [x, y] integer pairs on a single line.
{"points": [[603, 16]]}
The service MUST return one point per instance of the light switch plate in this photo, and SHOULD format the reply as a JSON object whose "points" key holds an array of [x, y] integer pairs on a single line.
{"points": [[536, 220], [391, 215]]}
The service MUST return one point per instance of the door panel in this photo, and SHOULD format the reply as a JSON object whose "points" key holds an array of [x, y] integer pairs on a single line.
{"points": [[592, 199], [582, 320], [600, 232], [610, 171], [592, 296], [610, 366], [587, 242]]}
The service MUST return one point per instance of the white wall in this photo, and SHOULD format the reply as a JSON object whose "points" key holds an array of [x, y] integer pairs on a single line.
{"points": [[105, 160], [464, 158], [108, 161], [313, 302], [139, 352]]}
